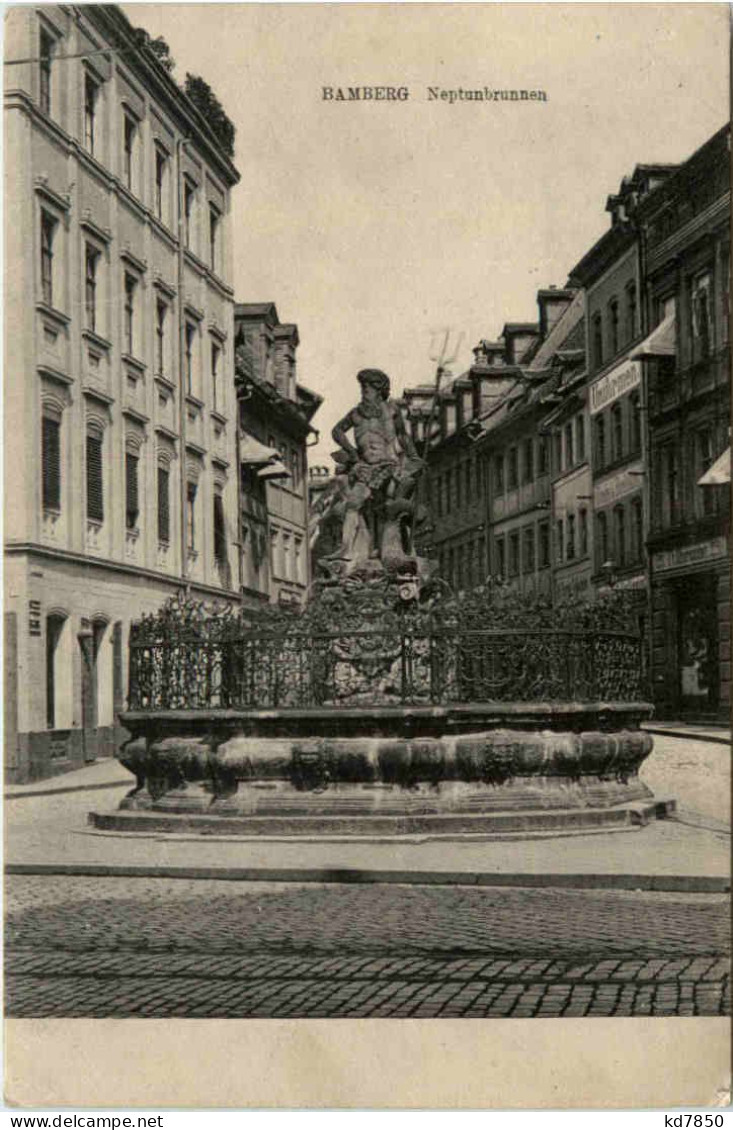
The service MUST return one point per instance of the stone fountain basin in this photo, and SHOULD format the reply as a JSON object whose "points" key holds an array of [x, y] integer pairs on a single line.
{"points": [[473, 761]]}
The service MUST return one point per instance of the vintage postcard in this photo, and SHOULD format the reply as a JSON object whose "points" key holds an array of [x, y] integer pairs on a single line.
{"points": [[367, 604]]}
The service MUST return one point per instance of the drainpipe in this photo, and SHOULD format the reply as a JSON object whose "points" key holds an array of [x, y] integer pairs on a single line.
{"points": [[181, 143], [644, 321]]}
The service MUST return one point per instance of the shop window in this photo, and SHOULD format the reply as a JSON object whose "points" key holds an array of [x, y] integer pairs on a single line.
{"points": [[55, 630]]}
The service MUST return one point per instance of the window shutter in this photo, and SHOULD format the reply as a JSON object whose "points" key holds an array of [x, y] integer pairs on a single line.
{"points": [[220, 540], [164, 513], [95, 495], [51, 459], [131, 491]]}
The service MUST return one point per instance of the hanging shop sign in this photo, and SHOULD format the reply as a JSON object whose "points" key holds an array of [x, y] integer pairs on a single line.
{"points": [[614, 384]]}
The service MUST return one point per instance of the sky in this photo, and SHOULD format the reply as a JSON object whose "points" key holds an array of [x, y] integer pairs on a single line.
{"points": [[376, 225]]}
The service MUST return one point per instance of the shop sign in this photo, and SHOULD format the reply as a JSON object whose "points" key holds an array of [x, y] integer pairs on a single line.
{"points": [[577, 585], [638, 581], [684, 555], [617, 486], [616, 383], [34, 618]]}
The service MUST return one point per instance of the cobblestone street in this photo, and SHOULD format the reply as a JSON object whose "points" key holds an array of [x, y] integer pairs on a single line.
{"points": [[160, 947]]}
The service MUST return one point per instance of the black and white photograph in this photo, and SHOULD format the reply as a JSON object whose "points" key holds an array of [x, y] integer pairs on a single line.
{"points": [[367, 576]]}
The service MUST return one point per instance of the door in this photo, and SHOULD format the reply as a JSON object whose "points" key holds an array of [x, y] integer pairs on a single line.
{"points": [[88, 692], [697, 646]]}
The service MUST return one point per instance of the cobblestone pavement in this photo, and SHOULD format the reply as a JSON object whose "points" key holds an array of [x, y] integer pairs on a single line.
{"points": [[160, 947]]}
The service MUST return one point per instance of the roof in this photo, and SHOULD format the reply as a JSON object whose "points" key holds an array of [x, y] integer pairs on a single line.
{"points": [[521, 328]]}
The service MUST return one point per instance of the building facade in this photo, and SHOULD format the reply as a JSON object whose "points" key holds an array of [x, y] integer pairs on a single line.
{"points": [[275, 414], [120, 412], [685, 231]]}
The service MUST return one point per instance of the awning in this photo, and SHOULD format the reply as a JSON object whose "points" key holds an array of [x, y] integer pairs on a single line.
{"points": [[274, 470], [254, 453], [719, 473], [660, 343]]}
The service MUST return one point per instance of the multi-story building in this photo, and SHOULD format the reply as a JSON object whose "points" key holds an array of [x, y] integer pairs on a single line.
{"points": [[275, 414], [685, 230], [120, 412]]}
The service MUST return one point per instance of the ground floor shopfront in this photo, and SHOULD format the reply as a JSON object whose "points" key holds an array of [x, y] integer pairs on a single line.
{"points": [[66, 624], [691, 631]]}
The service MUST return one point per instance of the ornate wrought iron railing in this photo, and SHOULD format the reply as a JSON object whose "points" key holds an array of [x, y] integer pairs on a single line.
{"points": [[258, 670]]}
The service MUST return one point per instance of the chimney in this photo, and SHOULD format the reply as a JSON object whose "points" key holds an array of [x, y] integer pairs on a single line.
{"points": [[552, 304]]}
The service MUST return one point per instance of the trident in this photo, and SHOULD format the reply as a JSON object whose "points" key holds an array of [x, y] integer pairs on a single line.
{"points": [[442, 361]]}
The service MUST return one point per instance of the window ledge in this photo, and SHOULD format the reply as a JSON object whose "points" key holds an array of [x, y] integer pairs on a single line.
{"points": [[53, 314], [194, 401], [134, 363], [96, 339], [220, 419]]}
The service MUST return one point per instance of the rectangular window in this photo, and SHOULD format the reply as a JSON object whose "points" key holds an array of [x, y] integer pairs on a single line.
{"points": [[468, 471], [220, 530], [457, 478], [164, 509], [701, 305], [528, 550], [214, 218], [132, 505], [602, 521], [46, 58], [544, 533], [635, 421], [620, 536], [560, 541], [189, 194], [48, 231], [569, 453], [571, 537], [498, 474], [481, 561], [500, 557], [669, 485], [129, 133], [215, 393], [703, 459], [512, 468], [617, 431], [191, 517], [91, 257], [190, 334], [95, 480], [597, 341], [91, 92], [613, 326], [129, 315], [542, 455], [161, 180], [583, 533], [514, 554], [161, 312], [529, 461], [631, 327], [637, 520], [600, 442], [298, 555], [580, 438], [725, 295], [557, 450], [51, 463]]}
